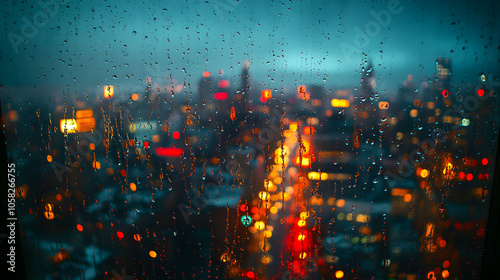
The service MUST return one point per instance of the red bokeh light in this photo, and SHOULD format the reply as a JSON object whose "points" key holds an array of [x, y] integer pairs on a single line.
{"points": [[169, 152], [243, 208], [309, 130], [220, 95], [223, 83], [176, 135], [470, 176], [484, 161], [120, 234], [445, 93], [480, 92]]}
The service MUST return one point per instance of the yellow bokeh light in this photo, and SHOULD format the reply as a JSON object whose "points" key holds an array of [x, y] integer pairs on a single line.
{"points": [[424, 173], [339, 274], [399, 135], [317, 176], [341, 103], [49, 215], [340, 203], [447, 168], [301, 223], [362, 218], [49, 207], [330, 201], [282, 152], [264, 195], [96, 165], [306, 162], [133, 187], [429, 230], [269, 186], [259, 225], [137, 237], [68, 125], [266, 259], [277, 181], [109, 92], [152, 254], [224, 257], [304, 215]]}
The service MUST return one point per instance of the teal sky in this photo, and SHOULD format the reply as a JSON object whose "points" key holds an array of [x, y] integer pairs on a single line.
{"points": [[297, 42]]}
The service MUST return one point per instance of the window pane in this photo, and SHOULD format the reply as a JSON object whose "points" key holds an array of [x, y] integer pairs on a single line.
{"points": [[251, 139]]}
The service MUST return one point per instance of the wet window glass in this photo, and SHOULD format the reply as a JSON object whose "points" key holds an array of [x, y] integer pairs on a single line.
{"points": [[231, 139]]}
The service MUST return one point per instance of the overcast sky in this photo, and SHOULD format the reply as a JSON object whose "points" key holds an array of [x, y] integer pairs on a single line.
{"points": [[300, 42]]}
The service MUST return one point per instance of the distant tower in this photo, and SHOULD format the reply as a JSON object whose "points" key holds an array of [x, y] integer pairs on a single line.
{"points": [[442, 88], [443, 73], [365, 113], [205, 86], [242, 96]]}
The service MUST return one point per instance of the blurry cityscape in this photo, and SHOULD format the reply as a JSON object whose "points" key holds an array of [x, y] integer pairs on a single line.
{"points": [[228, 179]]}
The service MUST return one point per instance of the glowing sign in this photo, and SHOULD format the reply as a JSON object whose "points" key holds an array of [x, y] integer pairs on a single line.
{"points": [[301, 89], [223, 83], [169, 152], [342, 103], [266, 94], [220, 96], [68, 125], [109, 92], [85, 124], [383, 105], [84, 114]]}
